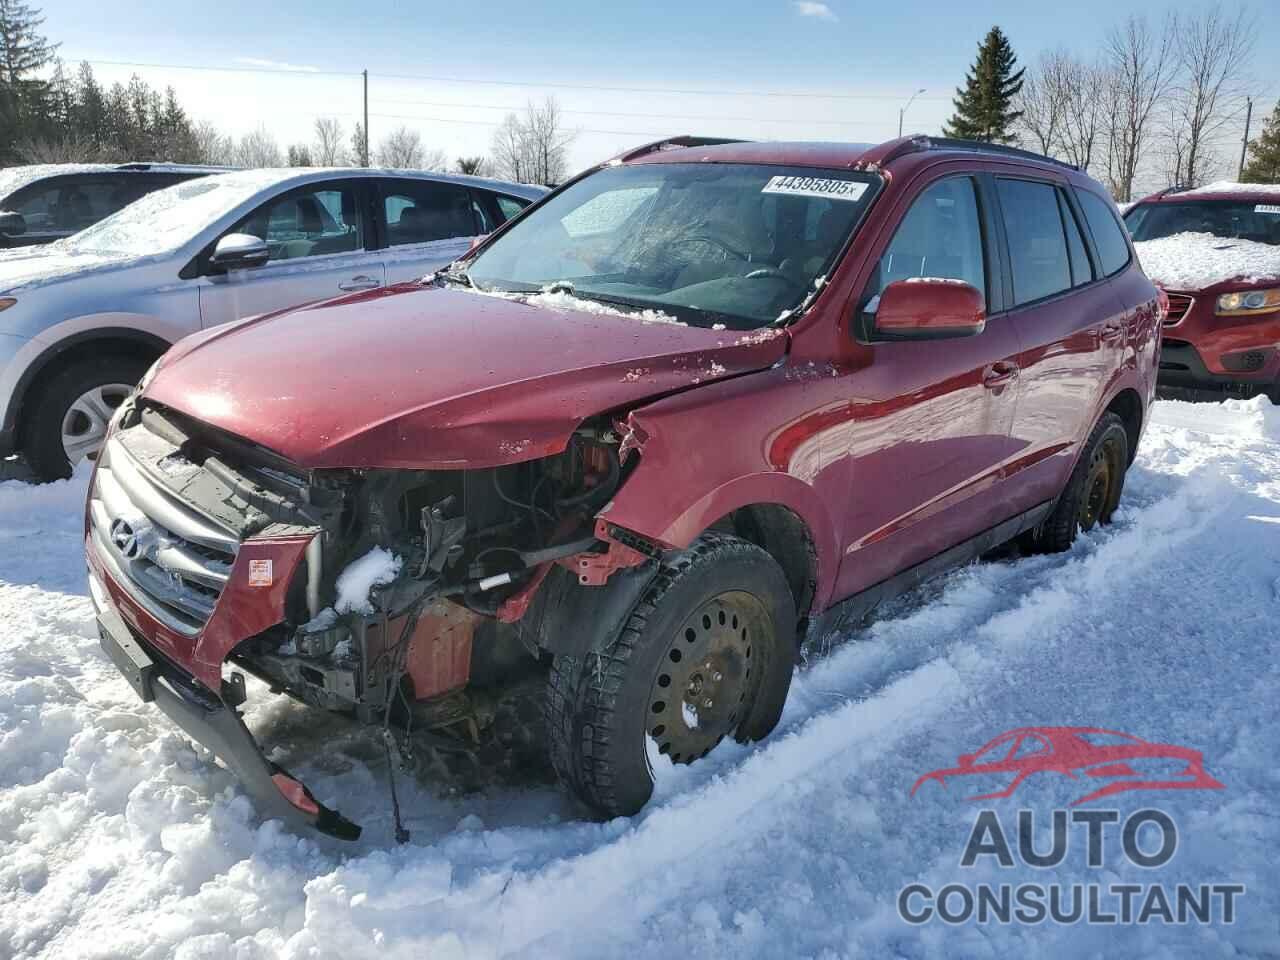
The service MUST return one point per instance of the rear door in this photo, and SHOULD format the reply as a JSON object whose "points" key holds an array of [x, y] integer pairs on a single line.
{"points": [[425, 225], [319, 235], [1070, 326]]}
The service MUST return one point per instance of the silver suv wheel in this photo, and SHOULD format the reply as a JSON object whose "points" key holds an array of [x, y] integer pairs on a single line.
{"points": [[84, 426]]}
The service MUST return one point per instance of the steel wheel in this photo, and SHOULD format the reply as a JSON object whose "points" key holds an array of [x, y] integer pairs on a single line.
{"points": [[705, 677], [84, 426], [1100, 485]]}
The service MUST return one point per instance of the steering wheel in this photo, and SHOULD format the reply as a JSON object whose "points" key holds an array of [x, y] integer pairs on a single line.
{"points": [[715, 242]]}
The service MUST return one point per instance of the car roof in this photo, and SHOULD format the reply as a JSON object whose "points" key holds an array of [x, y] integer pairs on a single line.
{"points": [[297, 176], [1220, 190]]}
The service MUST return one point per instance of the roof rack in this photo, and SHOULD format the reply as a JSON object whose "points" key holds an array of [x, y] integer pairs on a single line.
{"points": [[673, 143], [981, 146]]}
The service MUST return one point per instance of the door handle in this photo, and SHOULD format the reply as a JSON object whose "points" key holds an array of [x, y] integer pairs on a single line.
{"points": [[1111, 332], [361, 282], [999, 373]]}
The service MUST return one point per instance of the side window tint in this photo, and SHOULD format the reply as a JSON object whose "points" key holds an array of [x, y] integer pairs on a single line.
{"points": [[1081, 270], [1113, 250], [1037, 244], [422, 212], [39, 208], [940, 236], [308, 223], [510, 206]]}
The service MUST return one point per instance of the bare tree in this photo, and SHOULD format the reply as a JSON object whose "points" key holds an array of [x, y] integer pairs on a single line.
{"points": [[534, 149], [509, 157], [212, 146], [1211, 52], [1141, 61], [329, 149], [258, 149], [1083, 112], [401, 149], [1042, 101]]}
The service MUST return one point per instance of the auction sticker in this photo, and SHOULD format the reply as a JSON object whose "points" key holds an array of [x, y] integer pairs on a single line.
{"points": [[1272, 208], [816, 187], [259, 573]]}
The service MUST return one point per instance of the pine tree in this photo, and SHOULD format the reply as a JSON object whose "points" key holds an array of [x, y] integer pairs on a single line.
{"points": [[359, 147], [24, 96], [984, 106], [1264, 152]]}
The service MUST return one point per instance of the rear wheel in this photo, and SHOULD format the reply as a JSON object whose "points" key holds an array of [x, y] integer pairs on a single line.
{"points": [[69, 417], [707, 653], [1093, 491]]}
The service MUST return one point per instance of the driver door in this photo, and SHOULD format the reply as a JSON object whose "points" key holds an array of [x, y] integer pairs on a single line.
{"points": [[319, 239]]}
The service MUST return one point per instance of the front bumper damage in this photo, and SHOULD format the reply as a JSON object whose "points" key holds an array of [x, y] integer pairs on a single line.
{"points": [[213, 722]]}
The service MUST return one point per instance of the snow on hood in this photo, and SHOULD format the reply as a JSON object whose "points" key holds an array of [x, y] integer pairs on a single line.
{"points": [[26, 270], [1196, 261]]}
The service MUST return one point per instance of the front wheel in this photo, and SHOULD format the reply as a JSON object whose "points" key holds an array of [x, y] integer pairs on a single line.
{"points": [[69, 417], [1093, 490], [707, 653]]}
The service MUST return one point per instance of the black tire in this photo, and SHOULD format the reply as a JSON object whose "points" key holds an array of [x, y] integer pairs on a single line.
{"points": [[1093, 490], [49, 407], [601, 709]]}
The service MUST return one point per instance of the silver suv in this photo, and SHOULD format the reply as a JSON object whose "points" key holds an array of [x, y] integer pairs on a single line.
{"points": [[81, 320]]}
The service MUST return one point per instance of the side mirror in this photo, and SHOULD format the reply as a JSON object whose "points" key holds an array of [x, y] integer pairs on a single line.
{"points": [[240, 251], [966, 759], [929, 308], [12, 224]]}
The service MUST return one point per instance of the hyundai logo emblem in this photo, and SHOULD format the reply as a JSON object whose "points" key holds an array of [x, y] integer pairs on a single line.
{"points": [[124, 538]]}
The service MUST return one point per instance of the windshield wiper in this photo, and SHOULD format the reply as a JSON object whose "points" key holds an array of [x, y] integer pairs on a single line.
{"points": [[449, 275]]}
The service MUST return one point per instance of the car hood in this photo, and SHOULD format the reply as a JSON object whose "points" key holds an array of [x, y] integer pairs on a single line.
{"points": [[418, 376], [25, 268], [1203, 263]]}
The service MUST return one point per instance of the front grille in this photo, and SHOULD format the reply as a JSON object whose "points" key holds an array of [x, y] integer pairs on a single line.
{"points": [[1249, 362], [1179, 304], [172, 560]]}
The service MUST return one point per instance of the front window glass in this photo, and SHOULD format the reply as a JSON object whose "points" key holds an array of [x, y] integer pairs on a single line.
{"points": [[1230, 219], [307, 223], [737, 244], [940, 236]]}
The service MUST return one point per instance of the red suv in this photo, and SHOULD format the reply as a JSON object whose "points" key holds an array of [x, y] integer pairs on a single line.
{"points": [[1216, 250], [703, 401]]}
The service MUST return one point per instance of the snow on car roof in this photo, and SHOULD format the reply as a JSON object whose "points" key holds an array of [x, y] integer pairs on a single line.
{"points": [[13, 179], [1223, 188], [1194, 261]]}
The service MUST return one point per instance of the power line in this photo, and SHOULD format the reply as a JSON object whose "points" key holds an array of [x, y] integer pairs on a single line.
{"points": [[647, 116], [804, 94]]}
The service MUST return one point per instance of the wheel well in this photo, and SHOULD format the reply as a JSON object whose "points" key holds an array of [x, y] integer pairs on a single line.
{"points": [[1127, 405], [781, 533], [142, 345]]}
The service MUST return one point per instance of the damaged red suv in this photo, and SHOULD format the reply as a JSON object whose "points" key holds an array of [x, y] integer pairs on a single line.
{"points": [[700, 403]]}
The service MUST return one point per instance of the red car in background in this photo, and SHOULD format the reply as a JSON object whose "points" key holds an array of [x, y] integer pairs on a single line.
{"points": [[1216, 252]]}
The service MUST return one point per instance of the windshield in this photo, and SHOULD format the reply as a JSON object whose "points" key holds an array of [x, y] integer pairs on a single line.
{"points": [[709, 243], [1232, 219], [165, 220]]}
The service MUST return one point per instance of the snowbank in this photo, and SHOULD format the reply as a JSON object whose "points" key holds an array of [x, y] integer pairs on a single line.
{"points": [[120, 839], [1193, 261]]}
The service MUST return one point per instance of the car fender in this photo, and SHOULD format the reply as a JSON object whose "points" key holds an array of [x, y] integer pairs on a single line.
{"points": [[151, 333]]}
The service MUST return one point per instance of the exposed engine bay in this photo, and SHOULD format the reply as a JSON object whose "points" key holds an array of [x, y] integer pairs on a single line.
{"points": [[471, 548]]}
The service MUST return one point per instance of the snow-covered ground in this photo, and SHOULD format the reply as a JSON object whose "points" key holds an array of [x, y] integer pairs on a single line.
{"points": [[119, 839]]}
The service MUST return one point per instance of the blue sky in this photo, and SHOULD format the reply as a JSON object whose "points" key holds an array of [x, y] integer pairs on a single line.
{"points": [[873, 56]]}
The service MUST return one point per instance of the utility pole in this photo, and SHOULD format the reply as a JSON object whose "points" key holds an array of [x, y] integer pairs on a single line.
{"points": [[1244, 145], [902, 112]]}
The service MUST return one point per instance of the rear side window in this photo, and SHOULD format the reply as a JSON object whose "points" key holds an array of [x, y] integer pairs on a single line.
{"points": [[418, 212], [1037, 243], [1108, 236], [1081, 269], [940, 236], [509, 206]]}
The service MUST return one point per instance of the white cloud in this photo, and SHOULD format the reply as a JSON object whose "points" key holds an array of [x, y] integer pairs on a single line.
{"points": [[807, 8], [293, 67]]}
